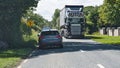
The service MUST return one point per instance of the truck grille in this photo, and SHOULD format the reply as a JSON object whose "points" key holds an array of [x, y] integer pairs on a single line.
{"points": [[75, 29]]}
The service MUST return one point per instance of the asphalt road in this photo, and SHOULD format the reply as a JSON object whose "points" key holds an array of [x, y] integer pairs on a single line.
{"points": [[77, 53]]}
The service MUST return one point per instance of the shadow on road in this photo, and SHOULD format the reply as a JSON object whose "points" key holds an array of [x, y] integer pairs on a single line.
{"points": [[74, 47], [87, 37]]}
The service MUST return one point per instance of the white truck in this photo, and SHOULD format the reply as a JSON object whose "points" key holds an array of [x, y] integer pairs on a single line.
{"points": [[72, 21]]}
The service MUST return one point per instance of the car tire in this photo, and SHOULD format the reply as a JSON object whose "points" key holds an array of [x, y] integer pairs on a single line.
{"points": [[39, 47]]}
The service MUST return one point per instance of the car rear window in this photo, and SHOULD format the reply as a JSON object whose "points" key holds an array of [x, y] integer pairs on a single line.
{"points": [[50, 33]]}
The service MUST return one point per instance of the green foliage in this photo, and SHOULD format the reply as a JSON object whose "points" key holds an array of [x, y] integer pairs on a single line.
{"points": [[109, 13], [105, 39], [30, 32], [91, 14], [96, 33], [89, 28], [10, 15], [26, 30], [10, 58], [39, 21], [55, 20], [87, 10], [106, 15]]}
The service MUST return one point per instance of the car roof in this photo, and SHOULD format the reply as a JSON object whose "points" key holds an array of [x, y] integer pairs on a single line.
{"points": [[49, 30], [53, 30]]}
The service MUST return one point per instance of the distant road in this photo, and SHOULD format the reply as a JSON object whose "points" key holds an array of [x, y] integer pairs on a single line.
{"points": [[77, 53]]}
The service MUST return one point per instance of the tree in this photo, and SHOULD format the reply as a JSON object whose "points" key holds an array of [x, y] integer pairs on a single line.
{"points": [[87, 10], [55, 19], [39, 21], [92, 17], [109, 13], [10, 17]]}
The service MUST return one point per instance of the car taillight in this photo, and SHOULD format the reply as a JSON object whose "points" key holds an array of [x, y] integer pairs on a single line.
{"points": [[41, 37], [58, 36]]}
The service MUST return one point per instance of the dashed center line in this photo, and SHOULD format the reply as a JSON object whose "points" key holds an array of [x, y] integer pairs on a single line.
{"points": [[100, 66]]}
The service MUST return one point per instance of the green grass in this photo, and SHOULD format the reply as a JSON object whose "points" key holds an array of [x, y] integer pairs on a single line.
{"points": [[11, 57], [105, 39]]}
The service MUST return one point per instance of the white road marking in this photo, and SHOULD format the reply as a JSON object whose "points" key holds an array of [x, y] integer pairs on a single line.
{"points": [[82, 51], [100, 66], [25, 61], [22, 63], [19, 67]]}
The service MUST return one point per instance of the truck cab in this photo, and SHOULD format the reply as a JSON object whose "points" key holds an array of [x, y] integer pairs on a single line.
{"points": [[73, 20]]}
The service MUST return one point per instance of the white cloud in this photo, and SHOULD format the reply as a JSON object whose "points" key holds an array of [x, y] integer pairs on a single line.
{"points": [[46, 7]]}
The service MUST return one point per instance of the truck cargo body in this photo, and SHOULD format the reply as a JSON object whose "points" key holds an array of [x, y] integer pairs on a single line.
{"points": [[72, 21]]}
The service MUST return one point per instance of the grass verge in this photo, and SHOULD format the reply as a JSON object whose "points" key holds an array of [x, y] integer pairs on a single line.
{"points": [[11, 57], [105, 39]]}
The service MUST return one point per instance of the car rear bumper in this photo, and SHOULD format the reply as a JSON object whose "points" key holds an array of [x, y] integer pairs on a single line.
{"points": [[50, 44]]}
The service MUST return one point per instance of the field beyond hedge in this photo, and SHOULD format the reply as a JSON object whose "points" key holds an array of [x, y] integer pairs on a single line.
{"points": [[105, 39]]}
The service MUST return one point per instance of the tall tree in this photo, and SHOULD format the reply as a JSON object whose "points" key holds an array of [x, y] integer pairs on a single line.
{"points": [[92, 17], [110, 13], [55, 18], [10, 17]]}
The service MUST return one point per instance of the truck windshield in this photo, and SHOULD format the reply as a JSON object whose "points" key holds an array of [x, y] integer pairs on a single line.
{"points": [[75, 20]]}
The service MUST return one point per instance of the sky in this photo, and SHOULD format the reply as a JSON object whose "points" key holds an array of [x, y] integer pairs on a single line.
{"points": [[46, 8]]}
